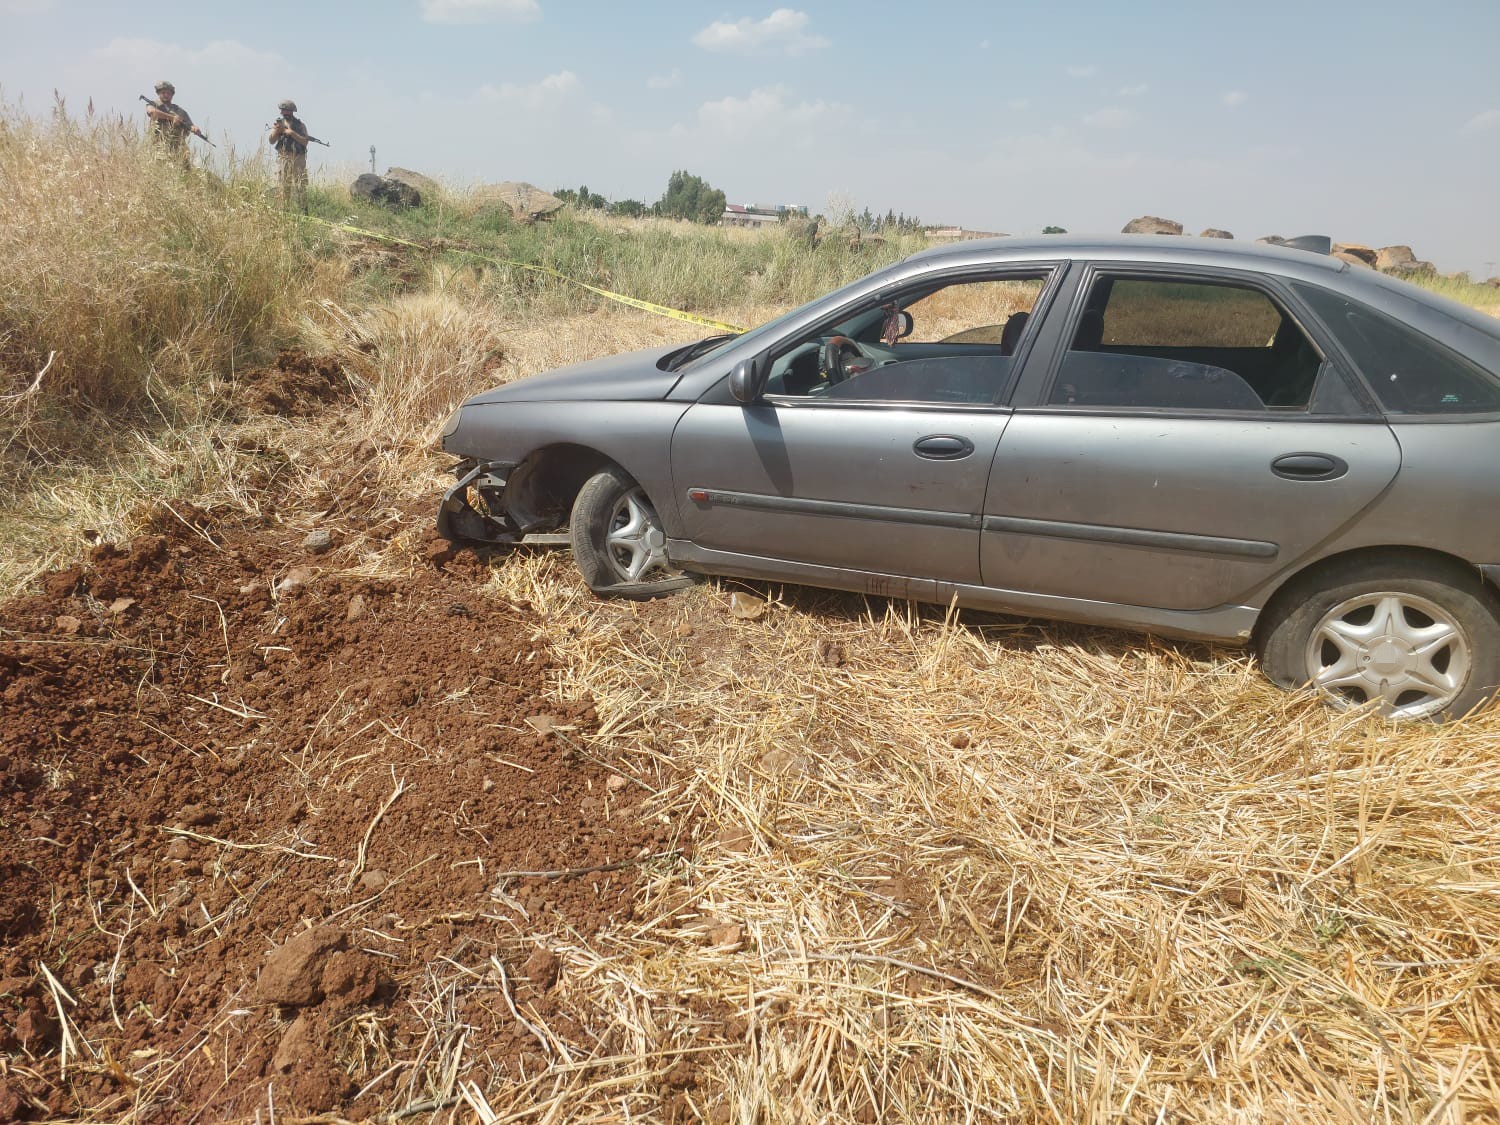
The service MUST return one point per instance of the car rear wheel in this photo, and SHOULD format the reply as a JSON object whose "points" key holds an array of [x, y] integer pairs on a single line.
{"points": [[1408, 640], [619, 543]]}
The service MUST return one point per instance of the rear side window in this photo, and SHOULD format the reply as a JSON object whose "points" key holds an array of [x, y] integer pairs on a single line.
{"points": [[1409, 372], [1165, 343], [1181, 314]]}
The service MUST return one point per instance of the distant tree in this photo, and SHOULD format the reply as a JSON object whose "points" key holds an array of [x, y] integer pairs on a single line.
{"points": [[690, 197], [1054, 230], [582, 198], [630, 208]]}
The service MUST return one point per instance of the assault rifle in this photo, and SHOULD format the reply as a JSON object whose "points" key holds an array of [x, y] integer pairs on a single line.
{"points": [[197, 132], [287, 130]]}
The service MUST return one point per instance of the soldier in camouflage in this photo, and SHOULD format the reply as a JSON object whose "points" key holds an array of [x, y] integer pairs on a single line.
{"points": [[289, 138], [170, 123]]}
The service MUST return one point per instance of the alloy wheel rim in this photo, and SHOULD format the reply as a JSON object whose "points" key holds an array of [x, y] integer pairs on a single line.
{"points": [[1402, 655], [635, 542]]}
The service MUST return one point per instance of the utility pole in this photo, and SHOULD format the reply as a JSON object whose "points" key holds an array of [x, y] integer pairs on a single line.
{"points": [[372, 158]]}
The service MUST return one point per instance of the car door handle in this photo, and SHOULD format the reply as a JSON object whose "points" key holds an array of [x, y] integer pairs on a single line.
{"points": [[943, 447], [1309, 466]]}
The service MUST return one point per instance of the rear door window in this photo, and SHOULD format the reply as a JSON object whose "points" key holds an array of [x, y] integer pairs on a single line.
{"points": [[1184, 344], [1409, 372]]}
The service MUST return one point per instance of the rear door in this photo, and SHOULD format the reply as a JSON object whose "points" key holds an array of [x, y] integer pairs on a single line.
{"points": [[1190, 441]]}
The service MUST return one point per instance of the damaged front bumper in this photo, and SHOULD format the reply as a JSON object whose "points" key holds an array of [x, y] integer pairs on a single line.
{"points": [[463, 521]]}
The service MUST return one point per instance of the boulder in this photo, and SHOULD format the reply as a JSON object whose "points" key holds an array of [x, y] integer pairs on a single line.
{"points": [[527, 202], [1352, 259], [1356, 250], [389, 193], [425, 186], [1393, 257], [1272, 240], [1150, 224], [1215, 232], [1493, 282]]}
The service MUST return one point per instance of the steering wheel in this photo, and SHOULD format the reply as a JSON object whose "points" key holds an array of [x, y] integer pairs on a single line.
{"points": [[843, 357]]}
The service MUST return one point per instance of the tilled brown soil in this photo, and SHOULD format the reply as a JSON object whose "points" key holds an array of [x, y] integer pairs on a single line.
{"points": [[263, 831]]}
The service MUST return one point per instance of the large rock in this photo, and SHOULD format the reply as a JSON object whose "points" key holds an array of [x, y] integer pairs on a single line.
{"points": [[1494, 282], [527, 202], [1215, 232], [1364, 254], [388, 193], [1352, 259], [1393, 257], [425, 186], [1150, 224], [1272, 240]]}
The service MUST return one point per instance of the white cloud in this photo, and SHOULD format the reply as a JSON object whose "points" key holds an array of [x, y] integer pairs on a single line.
{"points": [[784, 30], [480, 11], [1110, 117], [549, 91], [220, 55], [1134, 91], [1235, 98], [665, 81], [1489, 119], [1082, 71], [767, 107]]}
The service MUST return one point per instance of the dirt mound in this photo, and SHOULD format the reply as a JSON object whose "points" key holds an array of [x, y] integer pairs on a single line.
{"points": [[296, 385], [247, 806]]}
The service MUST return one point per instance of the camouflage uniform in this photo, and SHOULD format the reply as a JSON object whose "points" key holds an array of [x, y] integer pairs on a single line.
{"points": [[292, 154], [171, 135]]}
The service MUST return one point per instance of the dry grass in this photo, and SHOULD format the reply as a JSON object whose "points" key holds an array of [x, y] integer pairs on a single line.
{"points": [[974, 868], [134, 277]]}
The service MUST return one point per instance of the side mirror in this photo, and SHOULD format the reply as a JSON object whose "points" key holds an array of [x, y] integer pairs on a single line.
{"points": [[743, 384], [906, 323]]}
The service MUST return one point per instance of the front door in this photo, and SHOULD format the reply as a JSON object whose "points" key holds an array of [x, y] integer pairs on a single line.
{"points": [[871, 447], [894, 491]]}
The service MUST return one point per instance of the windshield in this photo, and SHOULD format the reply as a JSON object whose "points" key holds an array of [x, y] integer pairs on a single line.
{"points": [[772, 327]]}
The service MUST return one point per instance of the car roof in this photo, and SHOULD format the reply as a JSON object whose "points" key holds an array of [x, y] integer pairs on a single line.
{"points": [[1456, 325], [1164, 248]]}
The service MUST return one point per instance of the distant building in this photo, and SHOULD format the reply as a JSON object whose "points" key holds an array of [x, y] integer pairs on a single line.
{"points": [[758, 214], [958, 234]]}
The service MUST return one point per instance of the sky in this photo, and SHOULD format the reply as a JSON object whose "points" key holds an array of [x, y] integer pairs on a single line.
{"points": [[1373, 121]]}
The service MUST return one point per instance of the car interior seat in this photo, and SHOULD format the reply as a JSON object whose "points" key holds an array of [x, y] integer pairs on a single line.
{"points": [[1090, 334], [1010, 335]]}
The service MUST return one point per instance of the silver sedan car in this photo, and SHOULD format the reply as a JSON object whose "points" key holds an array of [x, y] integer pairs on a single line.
{"points": [[1194, 438]]}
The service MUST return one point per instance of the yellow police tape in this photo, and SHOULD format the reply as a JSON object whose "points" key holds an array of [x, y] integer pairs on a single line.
{"points": [[633, 302]]}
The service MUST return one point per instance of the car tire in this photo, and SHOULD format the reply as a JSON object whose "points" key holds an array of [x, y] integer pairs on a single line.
{"points": [[1410, 638], [619, 543]]}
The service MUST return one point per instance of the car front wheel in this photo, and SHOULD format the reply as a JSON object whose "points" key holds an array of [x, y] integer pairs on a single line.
{"points": [[619, 544], [1409, 641]]}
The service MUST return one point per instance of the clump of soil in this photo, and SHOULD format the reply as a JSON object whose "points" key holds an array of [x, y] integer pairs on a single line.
{"points": [[296, 385], [263, 825]]}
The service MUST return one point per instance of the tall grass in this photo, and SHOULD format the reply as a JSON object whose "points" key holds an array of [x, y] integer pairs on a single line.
{"points": [[132, 276], [679, 264]]}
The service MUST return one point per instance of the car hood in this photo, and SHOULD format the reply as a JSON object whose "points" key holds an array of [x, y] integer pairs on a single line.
{"points": [[633, 375]]}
